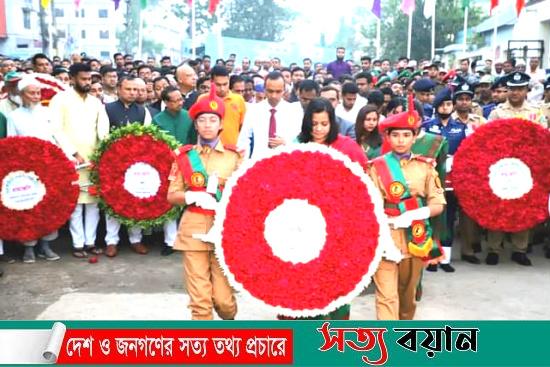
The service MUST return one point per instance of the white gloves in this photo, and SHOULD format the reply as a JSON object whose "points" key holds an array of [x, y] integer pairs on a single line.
{"points": [[449, 163], [201, 199], [405, 220], [208, 237]]}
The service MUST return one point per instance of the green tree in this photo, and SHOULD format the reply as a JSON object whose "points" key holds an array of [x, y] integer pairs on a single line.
{"points": [[394, 27], [264, 20], [203, 19], [128, 36]]}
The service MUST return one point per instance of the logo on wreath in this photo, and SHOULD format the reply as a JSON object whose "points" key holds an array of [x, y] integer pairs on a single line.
{"points": [[397, 189], [197, 179]]}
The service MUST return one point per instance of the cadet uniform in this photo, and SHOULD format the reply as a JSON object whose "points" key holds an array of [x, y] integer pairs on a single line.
{"points": [[526, 111], [396, 282], [205, 282]]}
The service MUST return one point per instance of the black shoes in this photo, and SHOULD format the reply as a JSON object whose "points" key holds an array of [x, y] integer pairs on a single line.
{"points": [[476, 247], [166, 251], [472, 259], [547, 252], [447, 268], [492, 258], [431, 267], [521, 258]]}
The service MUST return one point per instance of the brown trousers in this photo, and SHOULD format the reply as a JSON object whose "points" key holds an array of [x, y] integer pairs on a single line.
{"points": [[471, 233], [519, 240], [207, 286], [396, 288]]}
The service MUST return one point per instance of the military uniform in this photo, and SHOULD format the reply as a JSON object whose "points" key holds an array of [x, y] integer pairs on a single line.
{"points": [[396, 283], [546, 110], [525, 111], [206, 284]]}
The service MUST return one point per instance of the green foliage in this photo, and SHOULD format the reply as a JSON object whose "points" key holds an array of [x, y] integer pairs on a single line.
{"points": [[449, 20], [127, 38], [203, 19], [264, 20]]}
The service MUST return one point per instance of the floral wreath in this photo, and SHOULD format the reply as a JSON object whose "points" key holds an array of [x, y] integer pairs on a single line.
{"points": [[117, 164], [309, 181], [499, 177], [37, 195]]}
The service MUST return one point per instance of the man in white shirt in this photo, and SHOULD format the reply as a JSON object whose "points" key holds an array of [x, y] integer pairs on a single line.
{"points": [[31, 119], [350, 104], [80, 121], [537, 74], [270, 123]]}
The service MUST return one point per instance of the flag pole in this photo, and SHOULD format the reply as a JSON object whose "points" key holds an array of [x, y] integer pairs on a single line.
{"points": [[433, 32], [378, 26], [495, 30], [409, 39], [140, 34], [465, 45], [193, 29]]}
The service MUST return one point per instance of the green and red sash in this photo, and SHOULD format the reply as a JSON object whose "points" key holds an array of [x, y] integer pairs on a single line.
{"points": [[193, 171], [399, 200]]}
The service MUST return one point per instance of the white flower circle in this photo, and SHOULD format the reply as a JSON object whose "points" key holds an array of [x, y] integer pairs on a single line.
{"points": [[510, 178], [296, 231], [142, 180], [22, 190]]}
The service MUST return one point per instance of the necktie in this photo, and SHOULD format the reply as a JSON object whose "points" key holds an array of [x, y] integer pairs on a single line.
{"points": [[272, 124]]}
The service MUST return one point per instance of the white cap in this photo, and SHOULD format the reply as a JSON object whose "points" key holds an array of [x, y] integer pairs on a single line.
{"points": [[28, 80]]}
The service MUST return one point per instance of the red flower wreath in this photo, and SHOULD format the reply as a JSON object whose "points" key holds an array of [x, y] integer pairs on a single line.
{"points": [[55, 172], [125, 147], [482, 194], [329, 181]]}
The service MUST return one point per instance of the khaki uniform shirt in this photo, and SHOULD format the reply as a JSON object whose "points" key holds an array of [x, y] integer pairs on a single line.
{"points": [[477, 109], [525, 111], [219, 160], [473, 120], [423, 181]]}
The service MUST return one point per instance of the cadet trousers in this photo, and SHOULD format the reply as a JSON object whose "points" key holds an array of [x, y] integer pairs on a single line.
{"points": [[519, 240], [207, 286], [396, 288]]}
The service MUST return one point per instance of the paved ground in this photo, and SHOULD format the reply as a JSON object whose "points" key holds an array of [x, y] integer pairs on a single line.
{"points": [[131, 286]]}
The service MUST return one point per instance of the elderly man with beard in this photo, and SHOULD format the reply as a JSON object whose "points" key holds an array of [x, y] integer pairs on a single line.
{"points": [[80, 122], [31, 119]]}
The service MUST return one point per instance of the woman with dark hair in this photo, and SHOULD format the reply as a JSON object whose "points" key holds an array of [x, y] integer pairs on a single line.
{"points": [[366, 131], [319, 126]]}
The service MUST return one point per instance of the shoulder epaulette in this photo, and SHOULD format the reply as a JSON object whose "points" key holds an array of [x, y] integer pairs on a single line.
{"points": [[233, 148], [424, 159]]}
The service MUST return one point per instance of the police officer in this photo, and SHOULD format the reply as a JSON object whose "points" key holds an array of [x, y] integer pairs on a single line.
{"points": [[499, 90], [455, 132], [196, 180], [414, 179], [516, 106], [463, 103], [423, 92]]}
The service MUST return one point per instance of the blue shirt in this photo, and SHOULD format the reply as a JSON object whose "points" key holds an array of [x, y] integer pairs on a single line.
{"points": [[454, 132], [428, 111], [487, 109]]}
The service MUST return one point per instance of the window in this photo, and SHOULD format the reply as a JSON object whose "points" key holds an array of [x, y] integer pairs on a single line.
{"points": [[61, 33], [103, 13], [82, 13], [105, 54], [104, 35], [76, 13], [27, 18], [83, 34], [59, 12]]}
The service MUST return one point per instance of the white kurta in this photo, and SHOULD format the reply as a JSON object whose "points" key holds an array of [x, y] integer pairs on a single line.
{"points": [[79, 124]]}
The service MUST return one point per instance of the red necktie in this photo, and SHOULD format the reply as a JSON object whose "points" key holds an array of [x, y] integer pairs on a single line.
{"points": [[272, 124]]}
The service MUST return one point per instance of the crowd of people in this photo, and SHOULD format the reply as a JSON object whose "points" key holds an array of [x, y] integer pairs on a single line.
{"points": [[360, 109]]}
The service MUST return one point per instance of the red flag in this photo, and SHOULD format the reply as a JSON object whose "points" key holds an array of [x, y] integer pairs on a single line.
{"points": [[212, 4], [494, 4], [190, 2], [519, 5]]}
